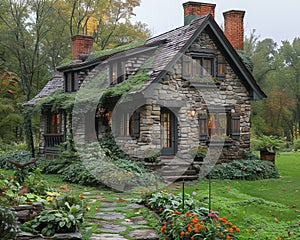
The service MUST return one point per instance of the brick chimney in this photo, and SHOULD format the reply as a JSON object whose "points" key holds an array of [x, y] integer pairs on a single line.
{"points": [[234, 28], [82, 45], [193, 10]]}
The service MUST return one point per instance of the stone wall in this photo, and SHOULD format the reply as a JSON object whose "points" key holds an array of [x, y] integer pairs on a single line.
{"points": [[181, 97]]}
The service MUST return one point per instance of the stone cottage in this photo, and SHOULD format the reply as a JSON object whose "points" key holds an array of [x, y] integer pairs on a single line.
{"points": [[188, 87]]}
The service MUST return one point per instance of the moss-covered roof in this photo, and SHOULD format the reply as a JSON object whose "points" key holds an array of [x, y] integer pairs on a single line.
{"points": [[108, 52]]}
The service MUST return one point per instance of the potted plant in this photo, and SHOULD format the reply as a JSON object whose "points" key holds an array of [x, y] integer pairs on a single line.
{"points": [[198, 152], [269, 146], [152, 155]]}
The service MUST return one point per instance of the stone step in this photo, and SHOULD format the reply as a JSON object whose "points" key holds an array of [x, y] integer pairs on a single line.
{"points": [[180, 178], [178, 173]]}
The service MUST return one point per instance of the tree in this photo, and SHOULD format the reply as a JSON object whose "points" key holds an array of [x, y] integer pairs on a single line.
{"points": [[35, 37], [107, 20]]}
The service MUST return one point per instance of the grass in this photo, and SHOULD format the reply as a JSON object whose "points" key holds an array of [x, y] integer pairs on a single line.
{"points": [[267, 209]]}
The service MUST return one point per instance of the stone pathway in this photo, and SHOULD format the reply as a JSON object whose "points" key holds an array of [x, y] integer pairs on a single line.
{"points": [[113, 224]]}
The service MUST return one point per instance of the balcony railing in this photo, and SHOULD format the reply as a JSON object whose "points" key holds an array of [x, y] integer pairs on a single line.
{"points": [[52, 142]]}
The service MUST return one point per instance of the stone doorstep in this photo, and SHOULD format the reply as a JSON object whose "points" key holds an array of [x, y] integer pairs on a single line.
{"points": [[144, 234], [58, 236], [107, 236]]}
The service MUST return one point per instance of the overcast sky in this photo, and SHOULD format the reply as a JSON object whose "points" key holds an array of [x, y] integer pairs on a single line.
{"points": [[276, 19]]}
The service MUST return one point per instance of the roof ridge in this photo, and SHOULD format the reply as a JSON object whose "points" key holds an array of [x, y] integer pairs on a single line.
{"points": [[176, 29]]}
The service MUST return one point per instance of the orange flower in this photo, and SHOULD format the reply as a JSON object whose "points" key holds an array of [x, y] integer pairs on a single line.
{"points": [[228, 237], [80, 195], [202, 227], [188, 214], [230, 230], [238, 229], [182, 234], [163, 228], [220, 234], [190, 229]]}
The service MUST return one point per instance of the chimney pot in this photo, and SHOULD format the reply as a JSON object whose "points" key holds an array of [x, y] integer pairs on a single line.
{"points": [[193, 10], [81, 45], [234, 28]]}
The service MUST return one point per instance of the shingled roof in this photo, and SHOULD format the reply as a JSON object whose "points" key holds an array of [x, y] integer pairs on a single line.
{"points": [[57, 82], [172, 45]]}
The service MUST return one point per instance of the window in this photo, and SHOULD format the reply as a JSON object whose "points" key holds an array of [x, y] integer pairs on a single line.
{"points": [[221, 65], [202, 68], [117, 72], [54, 123], [71, 82], [128, 125], [219, 123]]}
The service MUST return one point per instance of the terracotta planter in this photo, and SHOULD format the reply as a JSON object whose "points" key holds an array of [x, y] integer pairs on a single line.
{"points": [[268, 156]]}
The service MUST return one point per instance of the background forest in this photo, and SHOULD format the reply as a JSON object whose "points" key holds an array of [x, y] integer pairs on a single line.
{"points": [[35, 38]]}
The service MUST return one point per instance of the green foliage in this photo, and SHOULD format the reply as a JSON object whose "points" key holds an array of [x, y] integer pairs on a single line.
{"points": [[134, 82], [296, 145], [10, 190], [8, 224], [245, 170], [93, 169], [192, 222], [16, 156], [58, 101], [163, 200], [267, 143], [198, 151], [152, 155], [64, 219], [111, 51], [35, 183], [246, 59]]}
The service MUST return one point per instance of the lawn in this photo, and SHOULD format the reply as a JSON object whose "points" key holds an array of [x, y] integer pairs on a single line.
{"points": [[267, 209]]}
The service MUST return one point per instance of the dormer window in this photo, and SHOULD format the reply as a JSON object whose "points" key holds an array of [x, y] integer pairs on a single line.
{"points": [[117, 72], [71, 82]]}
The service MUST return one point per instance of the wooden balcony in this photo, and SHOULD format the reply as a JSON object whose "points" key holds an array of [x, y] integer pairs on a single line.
{"points": [[52, 143]]}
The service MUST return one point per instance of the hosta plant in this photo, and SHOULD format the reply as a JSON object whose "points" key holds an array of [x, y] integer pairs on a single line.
{"points": [[8, 224]]}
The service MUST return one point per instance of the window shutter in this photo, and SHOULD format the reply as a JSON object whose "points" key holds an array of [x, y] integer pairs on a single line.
{"points": [[136, 124], [235, 127], [187, 67], [203, 131]]}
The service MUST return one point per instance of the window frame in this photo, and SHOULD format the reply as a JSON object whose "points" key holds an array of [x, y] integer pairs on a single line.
{"points": [[232, 124], [217, 62], [70, 82], [117, 72], [54, 123], [128, 125]]}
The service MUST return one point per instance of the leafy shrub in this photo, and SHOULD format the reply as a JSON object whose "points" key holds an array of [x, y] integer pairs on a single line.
{"points": [[267, 143], [77, 173], [164, 200], [192, 222], [8, 224], [197, 224], [296, 145], [245, 169], [16, 156], [50, 221], [106, 165], [35, 183]]}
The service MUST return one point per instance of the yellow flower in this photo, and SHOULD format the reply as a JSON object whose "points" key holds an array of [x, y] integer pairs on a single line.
{"points": [[50, 199]]}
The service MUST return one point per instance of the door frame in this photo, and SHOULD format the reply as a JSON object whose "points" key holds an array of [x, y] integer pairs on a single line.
{"points": [[173, 132]]}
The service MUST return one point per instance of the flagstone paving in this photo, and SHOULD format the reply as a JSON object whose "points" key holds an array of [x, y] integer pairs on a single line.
{"points": [[113, 224]]}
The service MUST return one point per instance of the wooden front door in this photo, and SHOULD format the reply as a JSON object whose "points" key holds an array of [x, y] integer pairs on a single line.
{"points": [[168, 132]]}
